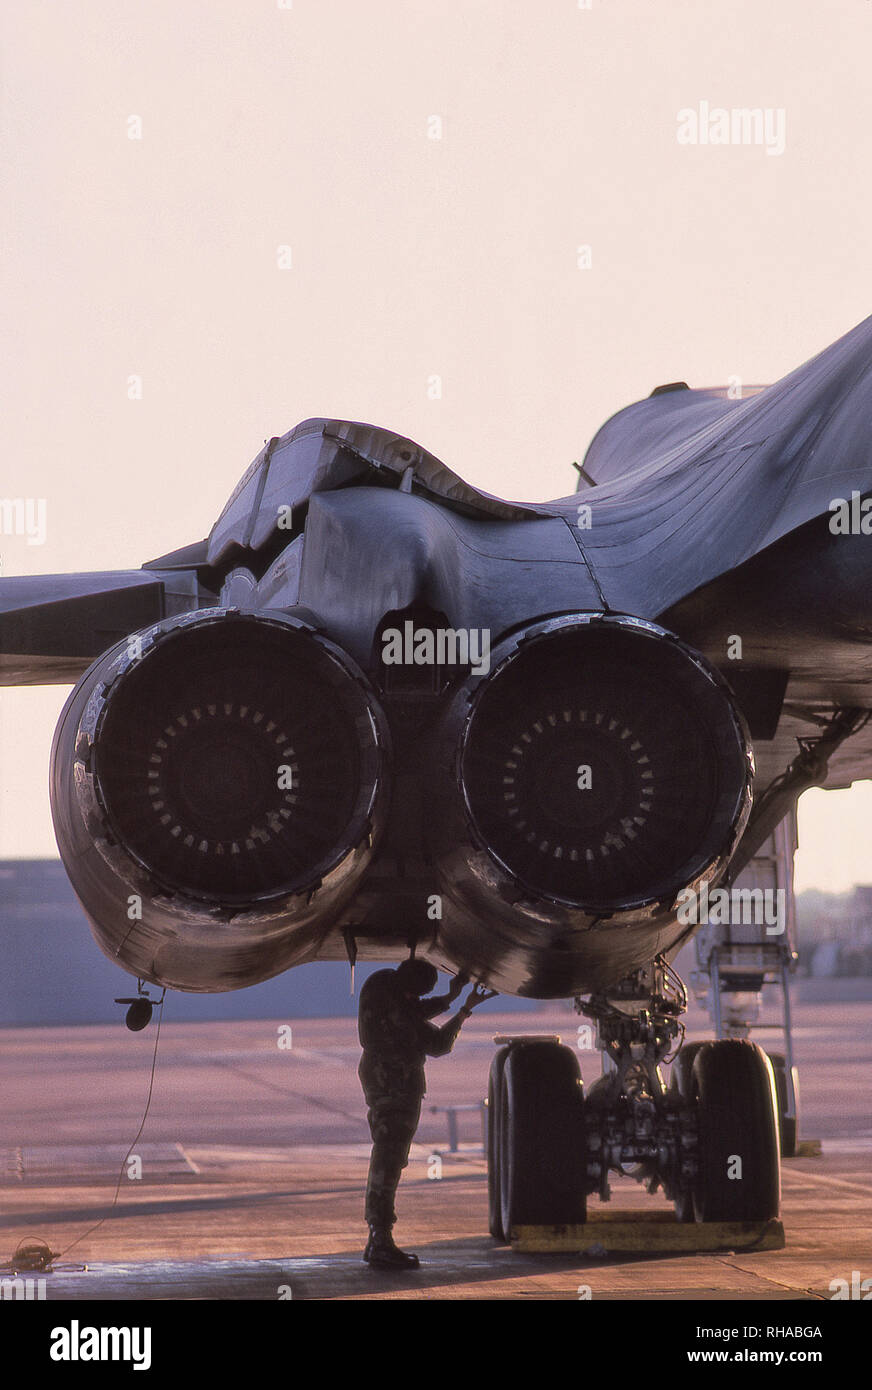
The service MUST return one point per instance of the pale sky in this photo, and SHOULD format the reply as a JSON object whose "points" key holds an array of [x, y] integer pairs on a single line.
{"points": [[412, 257]]}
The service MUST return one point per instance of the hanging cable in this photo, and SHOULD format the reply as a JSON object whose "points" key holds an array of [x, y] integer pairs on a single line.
{"points": [[35, 1253]]}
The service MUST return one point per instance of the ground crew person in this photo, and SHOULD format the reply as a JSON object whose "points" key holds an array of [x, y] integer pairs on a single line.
{"points": [[396, 1037]]}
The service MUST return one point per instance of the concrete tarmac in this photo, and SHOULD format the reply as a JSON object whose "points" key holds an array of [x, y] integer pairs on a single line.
{"points": [[247, 1180]]}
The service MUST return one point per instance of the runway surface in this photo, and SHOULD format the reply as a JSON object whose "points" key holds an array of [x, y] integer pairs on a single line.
{"points": [[253, 1159]]}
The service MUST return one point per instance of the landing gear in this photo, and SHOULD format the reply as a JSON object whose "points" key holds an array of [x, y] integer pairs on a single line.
{"points": [[710, 1141]]}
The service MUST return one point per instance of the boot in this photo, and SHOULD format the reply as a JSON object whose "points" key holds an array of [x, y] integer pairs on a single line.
{"points": [[381, 1253]]}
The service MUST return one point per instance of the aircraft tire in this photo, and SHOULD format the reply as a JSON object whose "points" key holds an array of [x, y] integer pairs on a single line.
{"points": [[680, 1084], [543, 1156], [739, 1175], [789, 1124], [494, 1116]]}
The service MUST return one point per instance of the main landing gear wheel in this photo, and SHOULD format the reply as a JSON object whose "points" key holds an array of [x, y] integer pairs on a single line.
{"points": [[789, 1124], [541, 1148], [494, 1102], [680, 1084], [739, 1159]]}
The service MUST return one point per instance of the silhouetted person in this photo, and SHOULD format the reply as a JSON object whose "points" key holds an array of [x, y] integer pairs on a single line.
{"points": [[396, 1037]]}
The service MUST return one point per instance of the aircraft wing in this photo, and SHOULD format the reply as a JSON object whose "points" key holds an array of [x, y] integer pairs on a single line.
{"points": [[52, 626]]}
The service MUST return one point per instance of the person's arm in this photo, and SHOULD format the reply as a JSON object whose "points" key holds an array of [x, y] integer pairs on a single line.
{"points": [[438, 1042], [440, 1002]]}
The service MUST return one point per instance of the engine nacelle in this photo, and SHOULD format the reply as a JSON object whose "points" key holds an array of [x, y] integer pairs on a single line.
{"points": [[218, 786], [599, 769]]}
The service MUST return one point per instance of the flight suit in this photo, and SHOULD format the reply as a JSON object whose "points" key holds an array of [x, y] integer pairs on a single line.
{"points": [[396, 1037]]}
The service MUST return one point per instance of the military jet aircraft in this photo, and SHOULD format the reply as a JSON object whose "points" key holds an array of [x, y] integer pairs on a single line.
{"points": [[378, 709]]}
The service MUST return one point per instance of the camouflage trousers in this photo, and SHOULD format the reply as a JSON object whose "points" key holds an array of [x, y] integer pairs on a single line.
{"points": [[394, 1097]]}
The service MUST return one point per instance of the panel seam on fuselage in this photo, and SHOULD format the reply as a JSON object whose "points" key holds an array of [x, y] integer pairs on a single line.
{"points": [[590, 569]]}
